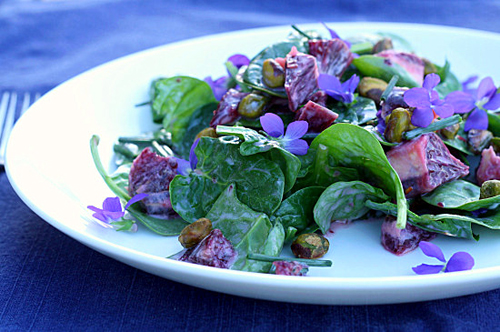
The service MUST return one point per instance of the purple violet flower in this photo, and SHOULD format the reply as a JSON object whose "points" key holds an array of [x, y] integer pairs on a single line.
{"points": [[343, 92], [476, 101], [184, 166], [112, 209], [467, 82], [220, 85], [426, 102], [460, 261], [290, 141]]}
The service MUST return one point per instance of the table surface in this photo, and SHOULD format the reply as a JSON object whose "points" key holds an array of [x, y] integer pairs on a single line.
{"points": [[49, 281]]}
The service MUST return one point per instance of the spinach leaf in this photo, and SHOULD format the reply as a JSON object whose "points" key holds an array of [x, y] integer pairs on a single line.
{"points": [[375, 66], [254, 143], [297, 210], [359, 112], [199, 120], [459, 143], [379, 136], [461, 195], [494, 123], [446, 224], [174, 99], [449, 82], [354, 147], [253, 74], [118, 183], [345, 201], [319, 168], [260, 181], [247, 229], [272, 248]]}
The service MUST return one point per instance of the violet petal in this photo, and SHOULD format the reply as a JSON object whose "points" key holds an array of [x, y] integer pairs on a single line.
{"points": [[296, 130], [469, 80], [298, 147], [478, 119], [135, 199], [351, 84], [417, 97], [112, 204], [431, 81], [329, 82], [183, 166], [443, 110], [272, 124], [432, 250], [427, 269], [486, 88], [193, 160], [239, 60], [219, 86], [494, 103], [462, 102], [422, 116], [460, 261]]}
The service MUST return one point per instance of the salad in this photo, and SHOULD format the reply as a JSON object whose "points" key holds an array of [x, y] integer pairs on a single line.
{"points": [[313, 131]]}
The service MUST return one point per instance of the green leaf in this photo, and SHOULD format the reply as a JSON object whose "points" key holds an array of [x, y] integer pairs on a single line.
{"points": [[199, 120], [460, 195], [254, 143], [359, 112], [449, 82], [446, 224], [345, 201], [375, 66], [118, 183], [253, 74], [297, 210], [354, 147], [494, 123], [319, 168], [260, 181], [174, 99], [247, 229]]}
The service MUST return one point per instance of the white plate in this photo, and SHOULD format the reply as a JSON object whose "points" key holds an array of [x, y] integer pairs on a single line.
{"points": [[50, 167]]}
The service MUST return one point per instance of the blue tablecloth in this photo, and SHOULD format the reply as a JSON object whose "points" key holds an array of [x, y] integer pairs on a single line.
{"points": [[49, 281]]}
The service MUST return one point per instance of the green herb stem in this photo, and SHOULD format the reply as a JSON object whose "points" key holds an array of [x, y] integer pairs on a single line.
{"points": [[390, 86], [309, 262], [301, 32], [362, 48], [433, 127]]}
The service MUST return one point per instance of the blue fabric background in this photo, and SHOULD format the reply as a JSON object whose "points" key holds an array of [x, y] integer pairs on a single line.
{"points": [[49, 282]]}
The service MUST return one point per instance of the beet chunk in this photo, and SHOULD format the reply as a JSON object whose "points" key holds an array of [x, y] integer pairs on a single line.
{"points": [[290, 268], [332, 56], [414, 65], [319, 97], [318, 117], [489, 168], [301, 78], [227, 111], [214, 250], [401, 241], [151, 174], [425, 163]]}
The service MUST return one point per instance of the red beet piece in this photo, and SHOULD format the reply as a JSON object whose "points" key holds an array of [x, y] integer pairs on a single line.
{"points": [[227, 110], [319, 97], [489, 168], [318, 117], [332, 56], [301, 78], [425, 163], [293, 268], [401, 241], [151, 174], [413, 64], [214, 250]]}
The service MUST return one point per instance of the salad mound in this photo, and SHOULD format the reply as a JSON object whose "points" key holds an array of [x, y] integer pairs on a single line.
{"points": [[311, 131]]}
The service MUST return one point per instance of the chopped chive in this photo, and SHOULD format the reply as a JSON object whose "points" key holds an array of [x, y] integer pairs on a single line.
{"points": [[163, 150], [362, 48], [390, 86], [143, 104], [310, 262], [302, 32], [443, 123]]}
